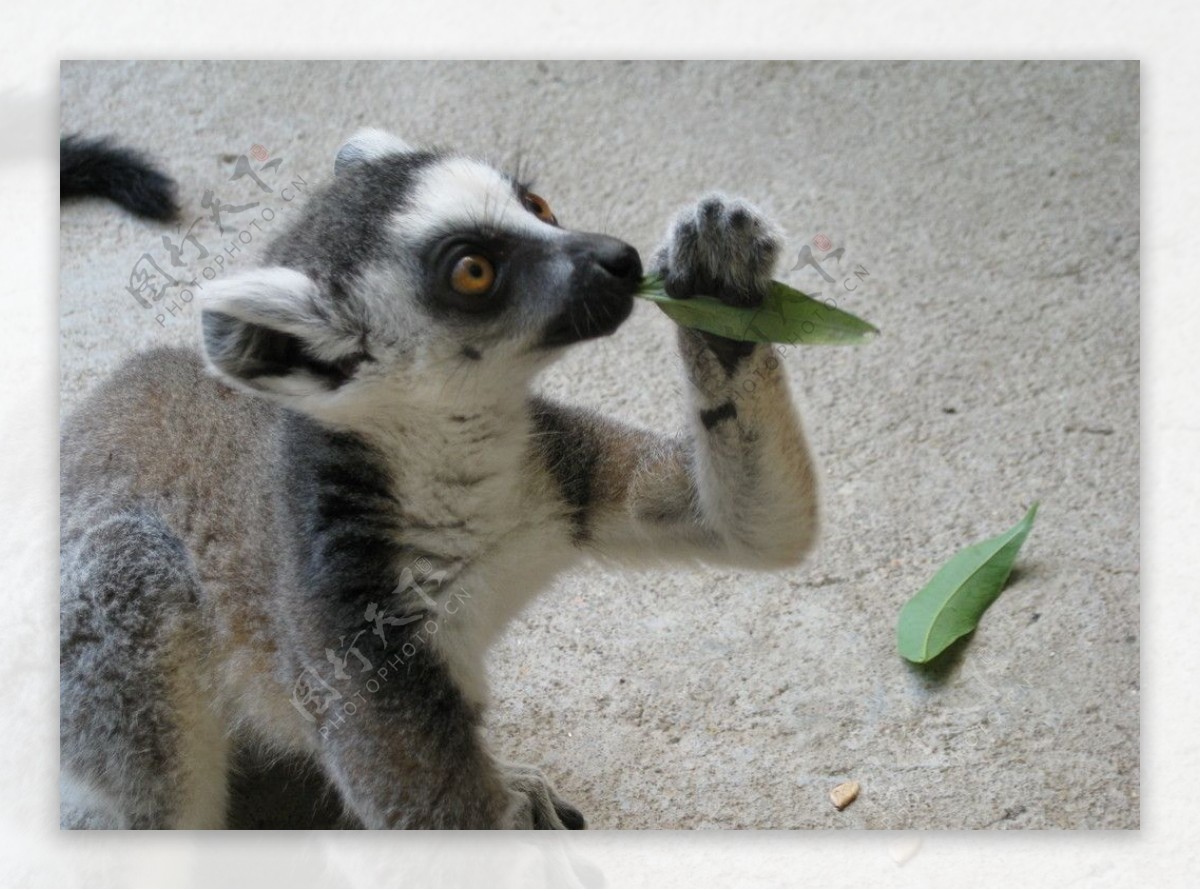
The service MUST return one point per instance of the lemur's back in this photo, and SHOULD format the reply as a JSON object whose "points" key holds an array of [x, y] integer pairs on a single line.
{"points": [[159, 567], [148, 439]]}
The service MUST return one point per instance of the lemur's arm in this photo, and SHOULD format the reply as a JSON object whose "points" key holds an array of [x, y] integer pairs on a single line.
{"points": [[737, 484]]}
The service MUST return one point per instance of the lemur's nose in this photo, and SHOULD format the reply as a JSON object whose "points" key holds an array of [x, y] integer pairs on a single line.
{"points": [[605, 274], [621, 261], [615, 257]]}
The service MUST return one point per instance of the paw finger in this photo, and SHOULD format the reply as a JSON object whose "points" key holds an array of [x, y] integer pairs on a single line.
{"points": [[546, 814], [709, 211], [741, 220], [680, 282], [570, 817], [736, 290]]}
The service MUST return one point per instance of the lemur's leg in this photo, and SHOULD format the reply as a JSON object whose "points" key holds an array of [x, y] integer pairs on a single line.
{"points": [[393, 726], [738, 485], [392, 723], [409, 753], [142, 746]]}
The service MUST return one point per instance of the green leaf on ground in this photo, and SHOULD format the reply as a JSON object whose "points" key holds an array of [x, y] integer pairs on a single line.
{"points": [[950, 605], [786, 316]]}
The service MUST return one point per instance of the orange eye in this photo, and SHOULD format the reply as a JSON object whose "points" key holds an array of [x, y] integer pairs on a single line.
{"points": [[537, 205], [473, 275]]}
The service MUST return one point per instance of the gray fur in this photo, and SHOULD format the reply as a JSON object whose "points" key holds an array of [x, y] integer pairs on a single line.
{"points": [[303, 539]]}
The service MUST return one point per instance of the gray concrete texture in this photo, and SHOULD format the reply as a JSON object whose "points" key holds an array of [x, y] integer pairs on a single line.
{"points": [[994, 208]]}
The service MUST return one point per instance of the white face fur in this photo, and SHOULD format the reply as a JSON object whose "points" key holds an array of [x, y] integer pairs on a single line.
{"points": [[414, 272]]}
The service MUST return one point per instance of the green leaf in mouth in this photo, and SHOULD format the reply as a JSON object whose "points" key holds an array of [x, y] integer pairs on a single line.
{"points": [[786, 316]]}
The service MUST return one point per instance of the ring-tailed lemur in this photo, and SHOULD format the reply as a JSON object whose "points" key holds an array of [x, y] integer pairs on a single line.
{"points": [[308, 534]]}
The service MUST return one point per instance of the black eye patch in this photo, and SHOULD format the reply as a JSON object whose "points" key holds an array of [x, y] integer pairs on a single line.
{"points": [[443, 253]]}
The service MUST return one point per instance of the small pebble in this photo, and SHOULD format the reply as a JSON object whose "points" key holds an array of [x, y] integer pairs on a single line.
{"points": [[844, 794]]}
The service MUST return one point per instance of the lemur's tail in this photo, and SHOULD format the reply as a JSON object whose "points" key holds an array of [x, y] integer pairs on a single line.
{"points": [[99, 168]]}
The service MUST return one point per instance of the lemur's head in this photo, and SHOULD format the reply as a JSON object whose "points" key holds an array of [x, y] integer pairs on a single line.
{"points": [[414, 271]]}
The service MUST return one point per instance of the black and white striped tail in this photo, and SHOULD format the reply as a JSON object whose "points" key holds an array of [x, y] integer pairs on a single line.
{"points": [[97, 167]]}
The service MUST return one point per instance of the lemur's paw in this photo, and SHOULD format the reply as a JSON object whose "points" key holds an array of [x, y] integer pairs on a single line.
{"points": [[540, 806], [721, 247]]}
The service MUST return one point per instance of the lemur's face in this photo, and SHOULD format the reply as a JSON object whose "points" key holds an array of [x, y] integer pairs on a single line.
{"points": [[488, 262], [416, 269]]}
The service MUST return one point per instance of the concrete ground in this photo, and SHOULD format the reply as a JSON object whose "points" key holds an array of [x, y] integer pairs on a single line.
{"points": [[994, 211]]}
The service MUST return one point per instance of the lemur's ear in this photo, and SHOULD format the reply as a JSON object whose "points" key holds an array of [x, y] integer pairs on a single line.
{"points": [[368, 145], [271, 330]]}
